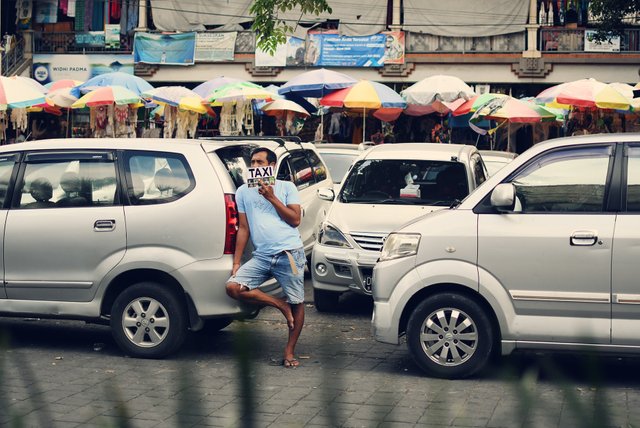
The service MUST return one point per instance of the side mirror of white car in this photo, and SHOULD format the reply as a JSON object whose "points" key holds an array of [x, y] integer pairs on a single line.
{"points": [[503, 197], [326, 194]]}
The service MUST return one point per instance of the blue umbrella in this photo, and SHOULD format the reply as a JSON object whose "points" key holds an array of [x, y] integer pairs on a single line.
{"points": [[317, 83], [133, 83]]}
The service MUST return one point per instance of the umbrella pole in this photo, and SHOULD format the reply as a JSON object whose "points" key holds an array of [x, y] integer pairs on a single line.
{"points": [[364, 123], [509, 137], [69, 124], [321, 124]]}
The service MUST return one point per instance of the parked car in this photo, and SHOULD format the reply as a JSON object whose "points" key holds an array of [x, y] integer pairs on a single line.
{"points": [[542, 256], [387, 186], [339, 157], [494, 160], [138, 233]]}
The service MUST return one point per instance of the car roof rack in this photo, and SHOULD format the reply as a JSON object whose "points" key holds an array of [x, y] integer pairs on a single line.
{"points": [[278, 139]]}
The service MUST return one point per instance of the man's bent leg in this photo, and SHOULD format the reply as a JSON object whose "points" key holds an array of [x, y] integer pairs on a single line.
{"points": [[257, 297]]}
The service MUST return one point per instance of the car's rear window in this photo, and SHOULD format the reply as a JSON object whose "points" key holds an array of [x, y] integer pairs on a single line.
{"points": [[396, 181], [237, 160]]}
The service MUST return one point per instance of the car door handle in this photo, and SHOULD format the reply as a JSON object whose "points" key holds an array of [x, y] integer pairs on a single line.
{"points": [[104, 225], [583, 238]]}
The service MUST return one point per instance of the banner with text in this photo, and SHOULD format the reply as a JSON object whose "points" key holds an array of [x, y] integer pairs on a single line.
{"points": [[289, 54], [332, 50], [215, 46], [173, 49], [50, 67], [592, 45]]}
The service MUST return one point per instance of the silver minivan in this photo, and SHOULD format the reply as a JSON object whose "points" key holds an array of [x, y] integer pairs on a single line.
{"points": [[387, 186], [138, 233], [543, 255]]}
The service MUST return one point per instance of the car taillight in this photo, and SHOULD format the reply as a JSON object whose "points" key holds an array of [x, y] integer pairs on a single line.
{"points": [[231, 211]]}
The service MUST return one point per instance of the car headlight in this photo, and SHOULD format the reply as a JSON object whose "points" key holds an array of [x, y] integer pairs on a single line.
{"points": [[400, 245], [329, 235]]}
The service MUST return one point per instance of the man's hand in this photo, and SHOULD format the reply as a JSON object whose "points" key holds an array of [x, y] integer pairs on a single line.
{"points": [[236, 266], [266, 190]]}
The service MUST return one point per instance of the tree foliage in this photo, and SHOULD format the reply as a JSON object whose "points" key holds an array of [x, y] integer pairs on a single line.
{"points": [[272, 31], [611, 15]]}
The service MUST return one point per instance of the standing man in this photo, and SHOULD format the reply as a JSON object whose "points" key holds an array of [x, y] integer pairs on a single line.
{"points": [[270, 215]]}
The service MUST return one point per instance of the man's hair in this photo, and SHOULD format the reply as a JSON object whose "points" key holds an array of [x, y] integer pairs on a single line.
{"points": [[271, 157]]}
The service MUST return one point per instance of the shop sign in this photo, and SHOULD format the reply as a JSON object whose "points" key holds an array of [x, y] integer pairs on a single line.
{"points": [[173, 49], [334, 50], [215, 46], [50, 67], [591, 45]]}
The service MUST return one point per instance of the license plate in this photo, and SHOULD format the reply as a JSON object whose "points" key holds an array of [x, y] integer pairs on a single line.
{"points": [[367, 278]]}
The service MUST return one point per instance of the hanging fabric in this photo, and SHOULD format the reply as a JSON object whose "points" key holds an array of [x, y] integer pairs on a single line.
{"points": [[19, 119]]}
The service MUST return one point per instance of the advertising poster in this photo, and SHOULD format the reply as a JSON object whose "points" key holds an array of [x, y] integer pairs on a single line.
{"points": [[50, 67], [47, 12], [591, 45], [215, 46], [289, 54], [172, 49], [112, 36], [90, 39], [394, 47], [333, 50]]}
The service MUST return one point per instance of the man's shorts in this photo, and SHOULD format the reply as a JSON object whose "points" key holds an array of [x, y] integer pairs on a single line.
{"points": [[261, 268]]}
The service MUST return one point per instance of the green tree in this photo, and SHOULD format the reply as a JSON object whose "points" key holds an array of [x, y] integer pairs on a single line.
{"points": [[612, 15], [272, 31]]}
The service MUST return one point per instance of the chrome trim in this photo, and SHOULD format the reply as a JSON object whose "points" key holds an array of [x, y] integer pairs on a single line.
{"points": [[369, 241], [48, 284], [560, 296], [627, 299], [577, 346]]}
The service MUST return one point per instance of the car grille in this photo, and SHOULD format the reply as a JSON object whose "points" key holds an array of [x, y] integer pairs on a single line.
{"points": [[369, 241]]}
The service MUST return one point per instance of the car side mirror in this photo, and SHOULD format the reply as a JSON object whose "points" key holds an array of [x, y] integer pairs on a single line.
{"points": [[326, 194], [503, 197]]}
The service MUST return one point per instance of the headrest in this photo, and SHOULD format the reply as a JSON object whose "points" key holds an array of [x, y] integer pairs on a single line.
{"points": [[41, 189], [164, 179], [70, 182]]}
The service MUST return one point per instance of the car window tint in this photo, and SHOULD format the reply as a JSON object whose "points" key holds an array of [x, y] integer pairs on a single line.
{"points": [[68, 182], [633, 180], [6, 168], [157, 177], [237, 160], [399, 181], [568, 180], [302, 172], [338, 164], [319, 170]]}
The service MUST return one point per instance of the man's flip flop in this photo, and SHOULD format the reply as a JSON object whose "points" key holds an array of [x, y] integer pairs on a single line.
{"points": [[290, 364]]}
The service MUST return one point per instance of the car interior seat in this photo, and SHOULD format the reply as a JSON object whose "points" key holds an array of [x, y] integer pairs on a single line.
{"points": [[41, 191], [452, 183], [72, 186], [165, 181]]}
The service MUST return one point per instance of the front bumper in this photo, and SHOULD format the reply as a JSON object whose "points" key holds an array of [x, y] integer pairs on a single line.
{"points": [[342, 269], [383, 327]]}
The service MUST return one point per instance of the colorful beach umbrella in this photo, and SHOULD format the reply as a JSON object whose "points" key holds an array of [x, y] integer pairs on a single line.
{"points": [[204, 89], [317, 83], [280, 107], [62, 97], [15, 93], [62, 83], [133, 83], [514, 111], [474, 103], [240, 91], [442, 88], [586, 93], [107, 95], [177, 96]]}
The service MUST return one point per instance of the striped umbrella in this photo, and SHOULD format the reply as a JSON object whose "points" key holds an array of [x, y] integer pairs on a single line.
{"points": [[16, 93], [177, 96], [107, 95]]}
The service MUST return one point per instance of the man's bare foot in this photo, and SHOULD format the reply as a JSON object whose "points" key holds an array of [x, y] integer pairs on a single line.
{"points": [[288, 315]]}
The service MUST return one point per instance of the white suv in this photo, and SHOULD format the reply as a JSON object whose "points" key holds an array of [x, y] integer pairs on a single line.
{"points": [[139, 233], [544, 255], [387, 186]]}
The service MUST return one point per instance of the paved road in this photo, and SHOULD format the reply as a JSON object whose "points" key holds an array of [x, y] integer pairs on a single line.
{"points": [[65, 374]]}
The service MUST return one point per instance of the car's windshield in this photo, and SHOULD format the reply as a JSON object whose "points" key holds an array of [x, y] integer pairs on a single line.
{"points": [[415, 182], [338, 164]]}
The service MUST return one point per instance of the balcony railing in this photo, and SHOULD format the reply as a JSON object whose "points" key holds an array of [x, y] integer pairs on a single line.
{"points": [[12, 58], [428, 43], [558, 39], [72, 42]]}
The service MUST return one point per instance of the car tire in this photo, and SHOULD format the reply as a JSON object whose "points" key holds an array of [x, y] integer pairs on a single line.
{"points": [[325, 301], [437, 343], [148, 320]]}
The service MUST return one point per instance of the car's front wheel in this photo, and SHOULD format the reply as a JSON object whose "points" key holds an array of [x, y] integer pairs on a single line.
{"points": [[325, 301], [450, 336], [148, 320]]}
